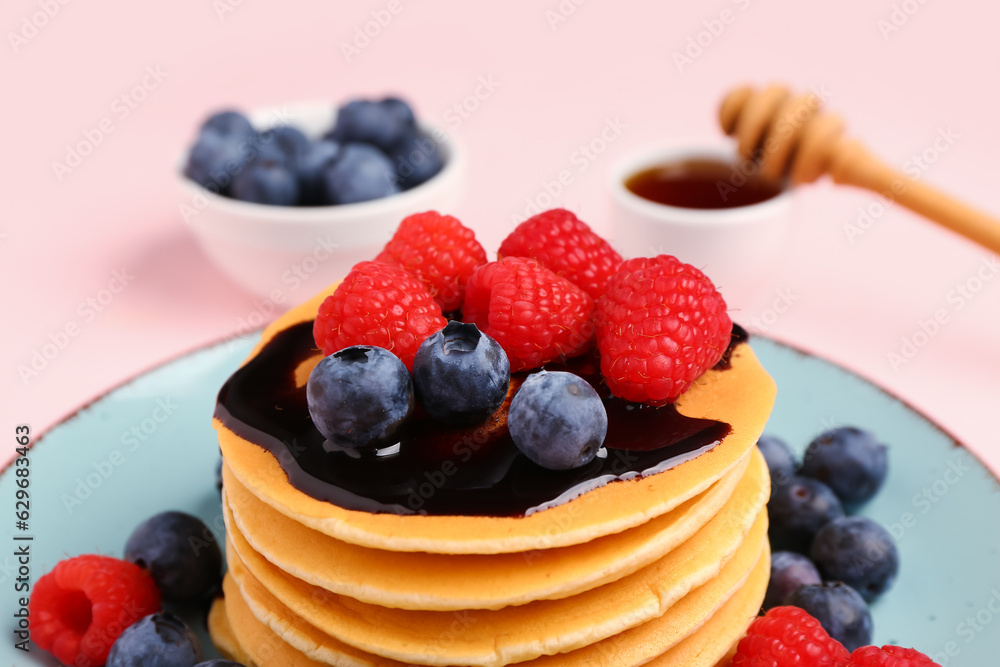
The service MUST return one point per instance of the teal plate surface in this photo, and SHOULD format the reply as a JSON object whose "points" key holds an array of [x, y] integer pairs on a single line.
{"points": [[148, 446]]}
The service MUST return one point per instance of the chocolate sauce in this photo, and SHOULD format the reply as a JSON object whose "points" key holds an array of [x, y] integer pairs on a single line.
{"points": [[702, 184], [442, 470]]}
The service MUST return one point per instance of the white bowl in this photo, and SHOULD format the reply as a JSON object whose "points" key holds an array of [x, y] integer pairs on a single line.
{"points": [[287, 253], [735, 247]]}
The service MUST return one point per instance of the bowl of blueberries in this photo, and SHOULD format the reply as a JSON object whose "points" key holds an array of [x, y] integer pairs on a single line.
{"points": [[286, 200]]}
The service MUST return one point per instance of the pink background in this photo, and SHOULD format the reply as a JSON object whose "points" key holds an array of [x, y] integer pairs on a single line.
{"points": [[559, 83]]}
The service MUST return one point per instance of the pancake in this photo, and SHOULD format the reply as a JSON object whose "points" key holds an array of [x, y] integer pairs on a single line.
{"points": [[449, 582], [732, 599], [512, 634], [741, 396], [221, 632]]}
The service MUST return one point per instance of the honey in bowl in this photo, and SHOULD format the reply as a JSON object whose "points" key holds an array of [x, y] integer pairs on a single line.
{"points": [[702, 184]]}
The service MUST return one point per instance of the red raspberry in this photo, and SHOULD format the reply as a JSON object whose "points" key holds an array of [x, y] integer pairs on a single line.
{"points": [[564, 243], [660, 325], [535, 315], [789, 637], [380, 305], [80, 608], [439, 250], [890, 656]]}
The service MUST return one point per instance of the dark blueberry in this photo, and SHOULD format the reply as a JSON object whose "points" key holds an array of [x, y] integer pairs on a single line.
{"points": [[158, 640], [360, 396], [848, 460], [219, 663], [228, 124], [858, 552], [789, 570], [460, 374], [360, 173], [798, 510], [839, 609], [180, 552], [557, 420], [289, 140], [383, 124], [214, 159], [417, 159], [780, 460], [400, 110], [267, 179], [311, 169]]}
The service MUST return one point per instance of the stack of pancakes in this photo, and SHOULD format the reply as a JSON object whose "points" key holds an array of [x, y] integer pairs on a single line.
{"points": [[665, 569]]}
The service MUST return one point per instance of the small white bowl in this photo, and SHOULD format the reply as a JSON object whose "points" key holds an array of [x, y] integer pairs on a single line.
{"points": [[735, 247], [287, 253]]}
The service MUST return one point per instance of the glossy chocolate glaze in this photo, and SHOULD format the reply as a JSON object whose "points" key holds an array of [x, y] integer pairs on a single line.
{"points": [[442, 470]]}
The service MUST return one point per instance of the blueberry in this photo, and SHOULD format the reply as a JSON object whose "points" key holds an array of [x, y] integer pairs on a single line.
{"points": [[214, 159], [289, 140], [780, 460], [360, 173], [360, 396], [416, 159], [798, 510], [158, 640], [789, 570], [850, 461], [180, 552], [268, 178], [311, 168], [557, 420], [839, 609], [460, 374], [382, 124], [858, 552], [228, 124]]}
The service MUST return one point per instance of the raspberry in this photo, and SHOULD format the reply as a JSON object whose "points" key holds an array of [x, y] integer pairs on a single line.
{"points": [[789, 637], [660, 325], [438, 250], [535, 315], [381, 305], [890, 656], [80, 608], [564, 243]]}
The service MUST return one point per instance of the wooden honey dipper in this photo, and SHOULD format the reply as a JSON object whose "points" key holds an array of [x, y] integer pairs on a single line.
{"points": [[787, 134]]}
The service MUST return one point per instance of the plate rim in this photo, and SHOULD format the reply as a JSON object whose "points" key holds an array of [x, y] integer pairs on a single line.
{"points": [[216, 342]]}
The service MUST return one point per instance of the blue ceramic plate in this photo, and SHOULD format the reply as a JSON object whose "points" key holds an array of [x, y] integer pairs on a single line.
{"points": [[148, 446]]}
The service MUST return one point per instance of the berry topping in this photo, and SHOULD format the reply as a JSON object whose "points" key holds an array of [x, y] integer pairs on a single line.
{"points": [[566, 245], [460, 374], [848, 460], [890, 656], [381, 305], [840, 610], [360, 173], [780, 460], [557, 420], [660, 325], [798, 510], [535, 315], [417, 159], [438, 250], [858, 552], [360, 396], [383, 123], [80, 608], [789, 571], [158, 640], [788, 637], [181, 554]]}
